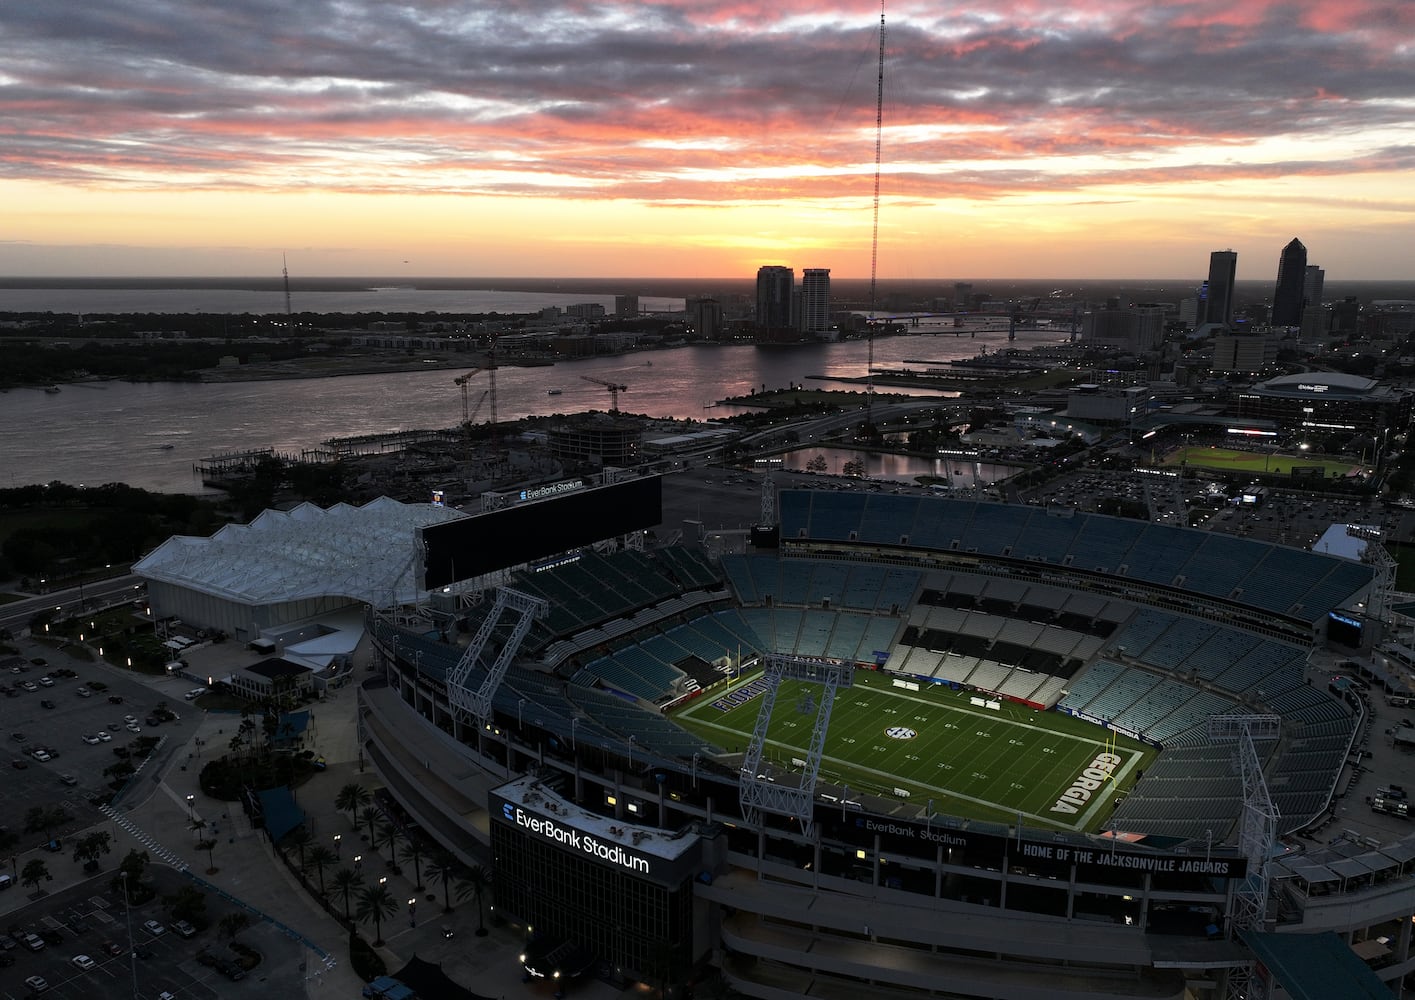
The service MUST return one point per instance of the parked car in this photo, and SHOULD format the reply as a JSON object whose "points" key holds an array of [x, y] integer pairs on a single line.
{"points": [[183, 928], [83, 692], [36, 983], [46, 703], [112, 948], [133, 727], [104, 737], [83, 962], [47, 682], [33, 941], [90, 740], [154, 928], [68, 779]]}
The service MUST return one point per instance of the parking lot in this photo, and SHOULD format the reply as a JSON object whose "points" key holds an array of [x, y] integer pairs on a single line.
{"points": [[73, 774], [129, 961]]}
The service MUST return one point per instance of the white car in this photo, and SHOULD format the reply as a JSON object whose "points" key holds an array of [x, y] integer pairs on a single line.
{"points": [[154, 928], [83, 962], [37, 983], [46, 682], [130, 719], [104, 736], [133, 727], [89, 739], [84, 692], [41, 756]]}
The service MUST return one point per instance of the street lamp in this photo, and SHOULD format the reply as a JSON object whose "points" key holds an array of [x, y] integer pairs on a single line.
{"points": [[190, 800], [412, 911], [358, 861], [383, 880], [337, 838]]}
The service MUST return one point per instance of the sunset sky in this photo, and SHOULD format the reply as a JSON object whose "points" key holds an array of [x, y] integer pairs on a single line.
{"points": [[1087, 138]]}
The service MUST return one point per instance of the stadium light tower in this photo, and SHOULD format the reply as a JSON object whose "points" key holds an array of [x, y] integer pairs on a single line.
{"points": [[469, 704], [786, 794], [1257, 829]]}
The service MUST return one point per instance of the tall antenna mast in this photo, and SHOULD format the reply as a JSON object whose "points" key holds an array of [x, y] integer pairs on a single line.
{"points": [[874, 236], [285, 270]]}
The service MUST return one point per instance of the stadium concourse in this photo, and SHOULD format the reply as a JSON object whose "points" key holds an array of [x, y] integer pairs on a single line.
{"points": [[549, 742]]}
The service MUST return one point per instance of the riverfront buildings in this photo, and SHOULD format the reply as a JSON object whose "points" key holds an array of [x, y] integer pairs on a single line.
{"points": [[775, 288]]}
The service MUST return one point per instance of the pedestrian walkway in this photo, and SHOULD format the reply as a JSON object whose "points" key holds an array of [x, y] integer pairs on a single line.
{"points": [[155, 815]]}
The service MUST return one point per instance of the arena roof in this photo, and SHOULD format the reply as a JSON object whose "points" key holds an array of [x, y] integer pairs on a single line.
{"points": [[1327, 381], [364, 553]]}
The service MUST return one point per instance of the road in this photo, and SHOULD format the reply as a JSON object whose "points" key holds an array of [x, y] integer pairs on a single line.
{"points": [[75, 600]]}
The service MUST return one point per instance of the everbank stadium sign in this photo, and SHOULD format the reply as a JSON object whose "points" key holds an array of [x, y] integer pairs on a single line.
{"points": [[576, 840]]}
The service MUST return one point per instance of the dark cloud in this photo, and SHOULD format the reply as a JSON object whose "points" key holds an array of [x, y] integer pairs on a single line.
{"points": [[649, 101]]}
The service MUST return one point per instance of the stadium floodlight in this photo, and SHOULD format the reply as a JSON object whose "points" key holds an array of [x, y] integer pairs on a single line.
{"points": [[757, 790]]}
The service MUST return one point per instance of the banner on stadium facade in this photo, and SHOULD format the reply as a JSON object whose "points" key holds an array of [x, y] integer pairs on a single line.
{"points": [[906, 837]]}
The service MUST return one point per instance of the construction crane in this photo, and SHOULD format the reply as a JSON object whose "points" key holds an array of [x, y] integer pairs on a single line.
{"points": [[461, 382], [615, 388], [476, 408]]}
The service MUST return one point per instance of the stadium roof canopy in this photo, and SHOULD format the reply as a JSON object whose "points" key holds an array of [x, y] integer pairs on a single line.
{"points": [[1319, 383], [364, 553]]}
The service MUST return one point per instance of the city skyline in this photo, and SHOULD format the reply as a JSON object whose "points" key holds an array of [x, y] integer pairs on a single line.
{"points": [[1117, 138]]}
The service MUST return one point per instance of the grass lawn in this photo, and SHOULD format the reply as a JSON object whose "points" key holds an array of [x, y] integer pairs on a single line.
{"points": [[1232, 460], [973, 762]]}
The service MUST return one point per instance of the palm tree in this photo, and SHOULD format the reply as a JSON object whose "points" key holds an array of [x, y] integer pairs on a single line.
{"points": [[299, 839], [376, 903], [208, 845], [320, 858], [391, 837], [473, 881], [442, 870], [351, 798], [232, 924], [347, 883], [412, 851], [370, 816]]}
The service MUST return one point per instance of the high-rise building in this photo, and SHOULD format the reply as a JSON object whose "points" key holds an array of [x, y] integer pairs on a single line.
{"points": [[774, 287], [815, 299], [1218, 296], [626, 306], [705, 316], [1291, 277], [962, 295], [1312, 286]]}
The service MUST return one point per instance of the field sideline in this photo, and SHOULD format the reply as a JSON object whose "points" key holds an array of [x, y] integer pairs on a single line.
{"points": [[972, 762]]}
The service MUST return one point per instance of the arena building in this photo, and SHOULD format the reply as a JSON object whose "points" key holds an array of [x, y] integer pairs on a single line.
{"points": [[1325, 403], [587, 732]]}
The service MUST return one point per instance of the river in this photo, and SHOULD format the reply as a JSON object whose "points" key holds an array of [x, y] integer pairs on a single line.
{"points": [[150, 434]]}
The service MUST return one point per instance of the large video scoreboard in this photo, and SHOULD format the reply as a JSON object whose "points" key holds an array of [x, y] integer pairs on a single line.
{"points": [[536, 528]]}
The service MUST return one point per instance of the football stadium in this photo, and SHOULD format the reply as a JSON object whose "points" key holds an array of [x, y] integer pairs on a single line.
{"points": [[905, 745]]}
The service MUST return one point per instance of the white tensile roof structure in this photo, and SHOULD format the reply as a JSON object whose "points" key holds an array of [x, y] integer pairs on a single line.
{"points": [[363, 553]]}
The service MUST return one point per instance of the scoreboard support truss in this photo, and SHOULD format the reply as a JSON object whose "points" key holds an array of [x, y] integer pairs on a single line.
{"points": [[470, 704], [794, 795]]}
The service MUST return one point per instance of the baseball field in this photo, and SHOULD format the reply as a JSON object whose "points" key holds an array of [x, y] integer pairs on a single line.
{"points": [[1232, 459]]}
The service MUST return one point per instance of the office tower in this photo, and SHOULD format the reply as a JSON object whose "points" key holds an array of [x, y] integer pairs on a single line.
{"points": [[626, 306], [815, 299], [1291, 276], [962, 293], [774, 287], [1312, 286], [1218, 303]]}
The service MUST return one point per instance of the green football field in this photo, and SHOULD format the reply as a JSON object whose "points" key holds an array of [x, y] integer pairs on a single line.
{"points": [[932, 743]]}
